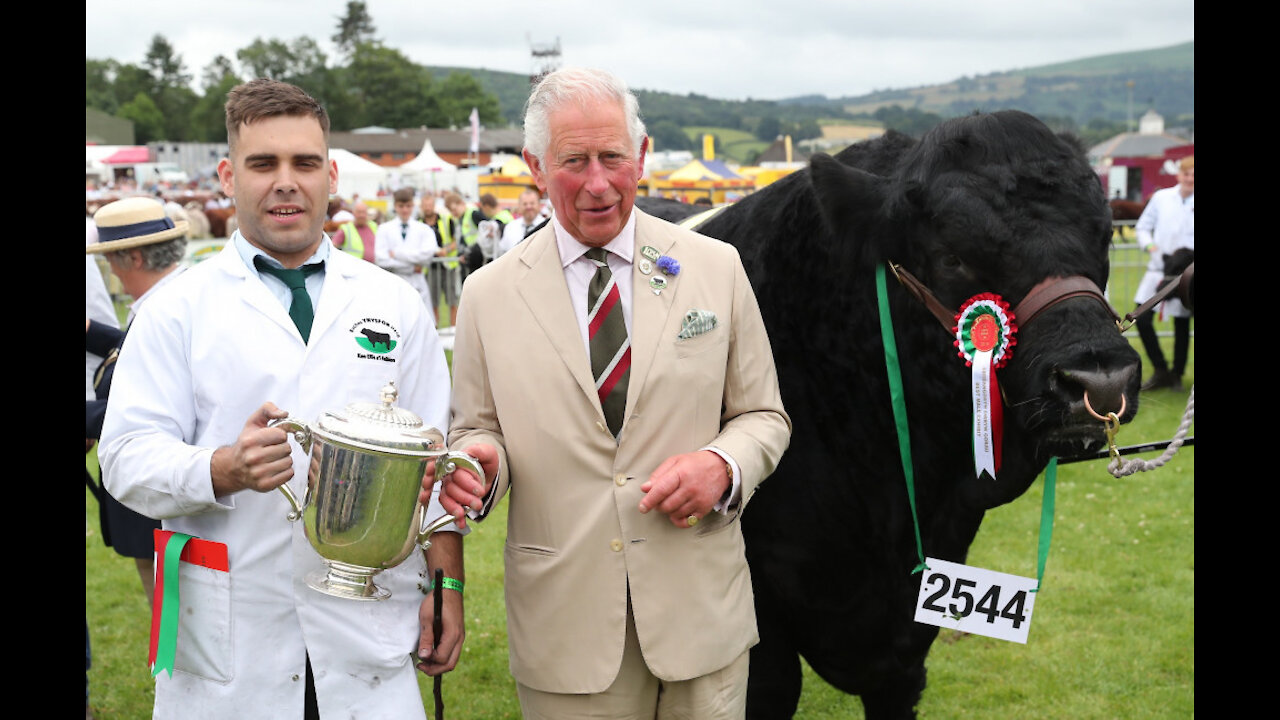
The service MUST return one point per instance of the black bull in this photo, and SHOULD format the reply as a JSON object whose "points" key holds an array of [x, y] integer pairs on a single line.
{"points": [[988, 203]]}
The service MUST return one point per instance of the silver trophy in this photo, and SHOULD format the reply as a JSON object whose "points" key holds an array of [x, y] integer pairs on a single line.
{"points": [[361, 511]]}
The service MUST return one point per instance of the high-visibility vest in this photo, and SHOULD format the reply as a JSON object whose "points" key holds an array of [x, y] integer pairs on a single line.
{"points": [[352, 242], [469, 228], [444, 232], [470, 231]]}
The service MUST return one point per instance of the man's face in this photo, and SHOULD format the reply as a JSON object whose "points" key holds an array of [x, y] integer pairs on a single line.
{"points": [[428, 204], [404, 210], [361, 213], [528, 207], [281, 177], [456, 209], [591, 171], [1187, 181]]}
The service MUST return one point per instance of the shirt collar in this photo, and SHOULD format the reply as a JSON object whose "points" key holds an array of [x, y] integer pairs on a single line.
{"points": [[249, 251], [570, 249]]}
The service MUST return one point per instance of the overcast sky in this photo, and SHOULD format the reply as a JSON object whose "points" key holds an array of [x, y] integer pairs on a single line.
{"points": [[762, 49]]}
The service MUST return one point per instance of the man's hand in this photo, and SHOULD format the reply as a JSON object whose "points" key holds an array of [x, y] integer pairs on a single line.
{"points": [[437, 659], [461, 489], [686, 485], [259, 460]]}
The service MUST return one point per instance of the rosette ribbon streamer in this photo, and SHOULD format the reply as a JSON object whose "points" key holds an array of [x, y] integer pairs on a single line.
{"points": [[984, 333], [164, 616]]}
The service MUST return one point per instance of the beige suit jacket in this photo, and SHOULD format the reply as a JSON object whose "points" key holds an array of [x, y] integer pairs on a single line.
{"points": [[575, 539]]}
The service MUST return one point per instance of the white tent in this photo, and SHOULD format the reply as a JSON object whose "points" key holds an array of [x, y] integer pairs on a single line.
{"points": [[428, 170], [357, 175]]}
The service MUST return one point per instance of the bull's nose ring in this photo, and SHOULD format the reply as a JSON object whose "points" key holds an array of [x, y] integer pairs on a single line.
{"points": [[1103, 418]]}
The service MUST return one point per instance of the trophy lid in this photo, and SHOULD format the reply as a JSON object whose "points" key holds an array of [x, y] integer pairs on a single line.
{"points": [[382, 426]]}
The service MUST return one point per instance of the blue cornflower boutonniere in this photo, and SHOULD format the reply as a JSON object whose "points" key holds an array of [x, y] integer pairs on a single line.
{"points": [[669, 265]]}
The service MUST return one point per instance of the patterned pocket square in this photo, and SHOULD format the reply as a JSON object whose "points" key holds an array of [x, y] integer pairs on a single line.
{"points": [[696, 322]]}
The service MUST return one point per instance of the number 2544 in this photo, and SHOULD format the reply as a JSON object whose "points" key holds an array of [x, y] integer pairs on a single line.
{"points": [[964, 604]]}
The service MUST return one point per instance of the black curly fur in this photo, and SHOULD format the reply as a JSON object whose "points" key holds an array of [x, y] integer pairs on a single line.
{"points": [[983, 203]]}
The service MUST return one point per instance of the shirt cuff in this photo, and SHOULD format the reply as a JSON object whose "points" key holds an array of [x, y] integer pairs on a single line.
{"points": [[729, 501]]}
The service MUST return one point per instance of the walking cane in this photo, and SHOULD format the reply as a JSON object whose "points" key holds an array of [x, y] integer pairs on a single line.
{"points": [[437, 626]]}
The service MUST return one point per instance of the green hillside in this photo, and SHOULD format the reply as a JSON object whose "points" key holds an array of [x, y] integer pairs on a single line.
{"points": [[1093, 90], [1085, 90]]}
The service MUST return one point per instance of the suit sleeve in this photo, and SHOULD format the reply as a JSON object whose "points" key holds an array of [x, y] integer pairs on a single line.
{"points": [[475, 416], [755, 428]]}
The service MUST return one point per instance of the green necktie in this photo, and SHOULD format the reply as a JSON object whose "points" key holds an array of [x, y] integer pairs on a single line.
{"points": [[610, 346], [296, 280]]}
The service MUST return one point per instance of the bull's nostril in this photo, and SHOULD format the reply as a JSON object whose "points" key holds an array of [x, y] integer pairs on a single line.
{"points": [[1105, 388]]}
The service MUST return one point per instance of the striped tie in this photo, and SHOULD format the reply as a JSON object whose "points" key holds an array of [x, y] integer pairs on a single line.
{"points": [[610, 346]]}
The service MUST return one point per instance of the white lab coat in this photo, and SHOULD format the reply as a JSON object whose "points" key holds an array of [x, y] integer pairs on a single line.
{"points": [[416, 248], [1168, 223], [197, 363]]}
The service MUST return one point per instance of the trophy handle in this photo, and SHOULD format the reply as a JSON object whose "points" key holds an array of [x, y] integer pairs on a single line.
{"points": [[302, 434], [445, 464]]}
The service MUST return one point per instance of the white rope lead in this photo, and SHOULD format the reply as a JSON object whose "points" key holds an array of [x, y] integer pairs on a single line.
{"points": [[1121, 468]]}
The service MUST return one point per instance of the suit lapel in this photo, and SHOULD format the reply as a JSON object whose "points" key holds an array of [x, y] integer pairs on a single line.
{"points": [[649, 312], [335, 295], [256, 294], [544, 291]]}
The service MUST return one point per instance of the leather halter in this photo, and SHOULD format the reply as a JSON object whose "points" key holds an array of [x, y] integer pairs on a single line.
{"points": [[1046, 294], [1181, 284]]}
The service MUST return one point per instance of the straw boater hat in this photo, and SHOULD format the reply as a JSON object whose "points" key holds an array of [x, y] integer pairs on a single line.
{"points": [[131, 223]]}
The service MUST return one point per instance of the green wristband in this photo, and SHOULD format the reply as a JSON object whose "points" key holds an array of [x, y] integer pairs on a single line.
{"points": [[450, 583]]}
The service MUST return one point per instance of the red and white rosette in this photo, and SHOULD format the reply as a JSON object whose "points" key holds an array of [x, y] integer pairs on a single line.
{"points": [[985, 337]]}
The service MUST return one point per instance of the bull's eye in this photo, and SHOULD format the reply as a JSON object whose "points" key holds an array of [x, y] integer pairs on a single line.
{"points": [[951, 262]]}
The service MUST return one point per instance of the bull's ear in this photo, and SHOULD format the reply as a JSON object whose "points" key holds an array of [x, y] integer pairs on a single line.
{"points": [[848, 198]]}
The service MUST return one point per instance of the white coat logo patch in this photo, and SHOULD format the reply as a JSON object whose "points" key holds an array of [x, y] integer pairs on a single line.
{"points": [[376, 337]]}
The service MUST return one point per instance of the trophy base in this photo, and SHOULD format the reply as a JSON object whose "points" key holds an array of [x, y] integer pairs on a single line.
{"points": [[347, 581]]}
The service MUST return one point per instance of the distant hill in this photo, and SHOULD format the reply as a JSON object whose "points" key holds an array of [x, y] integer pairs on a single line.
{"points": [[1083, 90], [1092, 88], [511, 88]]}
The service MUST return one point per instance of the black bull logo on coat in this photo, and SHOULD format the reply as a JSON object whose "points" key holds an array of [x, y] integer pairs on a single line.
{"points": [[988, 203], [377, 338]]}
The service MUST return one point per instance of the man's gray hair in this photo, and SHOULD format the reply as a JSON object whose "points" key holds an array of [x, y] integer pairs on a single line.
{"points": [[157, 256], [577, 85]]}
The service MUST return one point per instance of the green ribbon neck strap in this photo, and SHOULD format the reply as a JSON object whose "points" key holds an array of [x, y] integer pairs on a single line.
{"points": [[904, 438]]}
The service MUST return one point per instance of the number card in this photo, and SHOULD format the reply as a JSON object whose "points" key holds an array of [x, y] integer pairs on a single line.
{"points": [[977, 601]]}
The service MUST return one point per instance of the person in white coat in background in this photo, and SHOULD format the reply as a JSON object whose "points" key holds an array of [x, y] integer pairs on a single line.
{"points": [[1167, 225], [404, 246], [206, 367]]}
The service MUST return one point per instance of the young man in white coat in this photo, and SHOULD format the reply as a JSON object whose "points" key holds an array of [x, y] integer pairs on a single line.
{"points": [[206, 367], [405, 245], [628, 452]]}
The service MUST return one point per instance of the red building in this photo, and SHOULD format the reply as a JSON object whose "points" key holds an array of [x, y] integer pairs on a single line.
{"points": [[1132, 166]]}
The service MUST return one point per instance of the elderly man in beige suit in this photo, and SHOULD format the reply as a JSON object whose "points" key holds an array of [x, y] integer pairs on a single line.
{"points": [[627, 590]]}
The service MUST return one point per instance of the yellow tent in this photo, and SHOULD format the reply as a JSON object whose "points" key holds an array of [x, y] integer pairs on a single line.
{"points": [[506, 184], [702, 178]]}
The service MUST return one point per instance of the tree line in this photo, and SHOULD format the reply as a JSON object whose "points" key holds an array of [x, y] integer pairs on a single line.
{"points": [[369, 84]]}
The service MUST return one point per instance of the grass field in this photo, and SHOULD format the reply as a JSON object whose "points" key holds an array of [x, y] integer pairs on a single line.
{"points": [[1113, 634]]}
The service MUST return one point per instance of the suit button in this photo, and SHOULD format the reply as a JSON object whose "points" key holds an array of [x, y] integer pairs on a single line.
{"points": [[620, 479], [616, 545]]}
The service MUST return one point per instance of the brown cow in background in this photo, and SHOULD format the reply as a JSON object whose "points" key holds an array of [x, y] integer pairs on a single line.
{"points": [[221, 221], [1126, 210]]}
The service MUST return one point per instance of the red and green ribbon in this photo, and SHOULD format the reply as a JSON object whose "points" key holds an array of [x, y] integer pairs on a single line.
{"points": [[984, 333], [164, 613]]}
